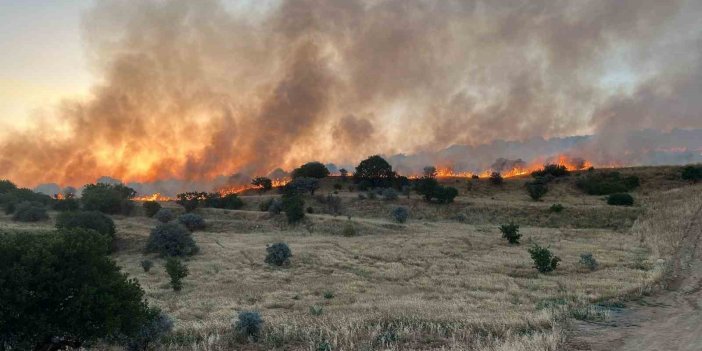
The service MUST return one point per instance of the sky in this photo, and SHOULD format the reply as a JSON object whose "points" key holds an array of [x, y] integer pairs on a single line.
{"points": [[42, 57]]}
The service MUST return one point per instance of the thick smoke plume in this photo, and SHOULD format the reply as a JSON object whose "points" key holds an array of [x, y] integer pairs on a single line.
{"points": [[194, 91]]}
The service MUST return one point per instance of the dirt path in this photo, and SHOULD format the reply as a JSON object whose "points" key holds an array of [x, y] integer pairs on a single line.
{"points": [[668, 321]]}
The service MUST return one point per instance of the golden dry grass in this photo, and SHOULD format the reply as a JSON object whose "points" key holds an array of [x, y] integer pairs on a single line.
{"points": [[433, 283]]}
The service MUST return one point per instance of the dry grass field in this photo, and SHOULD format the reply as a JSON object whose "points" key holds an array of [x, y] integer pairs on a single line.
{"points": [[444, 280]]}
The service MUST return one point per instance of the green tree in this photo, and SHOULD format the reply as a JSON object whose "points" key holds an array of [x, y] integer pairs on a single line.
{"points": [[108, 198], [376, 171], [692, 173], [61, 289], [311, 170]]}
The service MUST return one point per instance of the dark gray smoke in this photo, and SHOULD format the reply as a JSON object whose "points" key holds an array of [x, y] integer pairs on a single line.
{"points": [[190, 91]]}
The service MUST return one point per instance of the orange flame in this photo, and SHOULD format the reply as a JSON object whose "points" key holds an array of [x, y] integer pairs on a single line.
{"points": [[236, 189], [153, 197]]}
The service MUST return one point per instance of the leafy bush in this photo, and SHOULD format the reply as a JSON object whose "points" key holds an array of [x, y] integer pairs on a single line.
{"points": [[65, 205], [588, 261], [445, 194], [692, 173], [293, 205], [278, 254], [333, 204], [176, 270], [192, 221], [190, 200], [171, 239], [544, 260], [310, 209], [620, 199], [151, 208], [511, 233], [164, 215], [94, 220], [263, 183], [536, 189], [249, 325], [400, 214], [83, 294], [338, 186], [430, 189], [556, 208], [7, 186], [108, 198], [328, 294], [605, 183], [146, 265], [496, 178], [390, 194], [349, 229], [276, 206], [553, 170], [303, 185], [152, 332], [310, 170], [227, 202], [264, 205], [30, 212]]}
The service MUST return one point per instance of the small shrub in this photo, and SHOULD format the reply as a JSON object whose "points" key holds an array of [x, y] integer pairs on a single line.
{"points": [[536, 189], [349, 229], [249, 325], [226, 202], [94, 220], [588, 261], [278, 254], [553, 170], [475, 176], [390, 194], [556, 208], [276, 206], [171, 239], [164, 215], [152, 332], [293, 205], [372, 195], [310, 209], [511, 233], [192, 221], [265, 205], [338, 186], [151, 208], [66, 205], [190, 200], [544, 260], [316, 310], [400, 214], [328, 294], [333, 204], [692, 173], [496, 178], [30, 212], [361, 196], [445, 195], [620, 199], [605, 183], [176, 270], [146, 265]]}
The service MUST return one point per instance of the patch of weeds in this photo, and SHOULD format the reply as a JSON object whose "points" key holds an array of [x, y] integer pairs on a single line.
{"points": [[551, 303], [316, 310], [591, 313], [328, 294]]}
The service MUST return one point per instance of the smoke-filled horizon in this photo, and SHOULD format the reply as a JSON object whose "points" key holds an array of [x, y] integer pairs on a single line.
{"points": [[193, 92]]}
